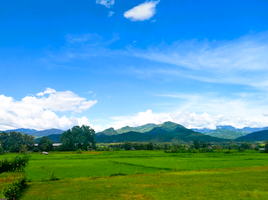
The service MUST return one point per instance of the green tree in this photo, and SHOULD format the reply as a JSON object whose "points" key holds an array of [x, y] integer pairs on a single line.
{"points": [[150, 146], [78, 138], [4, 136], [28, 140], [1, 150], [127, 145], [45, 144], [266, 147], [196, 144], [15, 141], [245, 146]]}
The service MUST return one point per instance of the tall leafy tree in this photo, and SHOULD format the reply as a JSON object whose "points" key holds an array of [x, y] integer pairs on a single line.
{"points": [[45, 144], [15, 141], [4, 136], [78, 138], [28, 140]]}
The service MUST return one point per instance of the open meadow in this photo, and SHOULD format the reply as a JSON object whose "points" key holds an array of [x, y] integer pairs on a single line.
{"points": [[146, 175]]}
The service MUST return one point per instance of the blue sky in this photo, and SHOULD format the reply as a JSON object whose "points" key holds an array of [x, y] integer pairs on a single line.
{"points": [[115, 63]]}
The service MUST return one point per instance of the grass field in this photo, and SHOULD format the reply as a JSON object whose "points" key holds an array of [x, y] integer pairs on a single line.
{"points": [[147, 175]]}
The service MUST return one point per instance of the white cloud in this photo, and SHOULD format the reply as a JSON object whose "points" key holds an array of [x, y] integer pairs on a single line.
{"points": [[187, 119], [38, 111], [241, 61], [59, 101], [205, 111], [107, 3], [142, 12], [110, 14], [47, 91]]}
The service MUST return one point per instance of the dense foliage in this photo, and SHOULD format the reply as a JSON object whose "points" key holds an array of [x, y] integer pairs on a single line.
{"points": [[45, 144], [14, 164], [16, 141], [78, 138], [197, 146]]}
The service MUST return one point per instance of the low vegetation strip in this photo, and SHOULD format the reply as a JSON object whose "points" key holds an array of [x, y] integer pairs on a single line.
{"points": [[137, 165], [249, 183]]}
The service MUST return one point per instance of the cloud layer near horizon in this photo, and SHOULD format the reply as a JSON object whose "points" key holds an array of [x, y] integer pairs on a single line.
{"points": [[187, 119], [38, 111]]}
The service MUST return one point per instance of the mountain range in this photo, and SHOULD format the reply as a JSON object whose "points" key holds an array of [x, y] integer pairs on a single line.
{"points": [[36, 133], [166, 132], [228, 127], [255, 136], [229, 132]]}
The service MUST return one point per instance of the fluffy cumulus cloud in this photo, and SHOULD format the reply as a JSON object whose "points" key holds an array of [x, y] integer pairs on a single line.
{"points": [[187, 119], [142, 12], [59, 101], [107, 3], [39, 111]]}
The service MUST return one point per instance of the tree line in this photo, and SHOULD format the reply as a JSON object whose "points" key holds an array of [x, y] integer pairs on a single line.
{"points": [[196, 146], [16, 142], [83, 138], [79, 137]]}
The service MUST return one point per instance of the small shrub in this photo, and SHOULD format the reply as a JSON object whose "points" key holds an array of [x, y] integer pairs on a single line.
{"points": [[53, 177], [79, 151], [35, 149], [12, 191], [139, 172], [176, 169]]}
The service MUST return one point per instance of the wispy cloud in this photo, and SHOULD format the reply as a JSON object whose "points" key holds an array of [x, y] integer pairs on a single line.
{"points": [[111, 13], [241, 61], [77, 38], [142, 12], [107, 3], [236, 104]]}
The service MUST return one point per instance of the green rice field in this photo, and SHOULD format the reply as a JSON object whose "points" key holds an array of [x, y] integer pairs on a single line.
{"points": [[146, 175]]}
